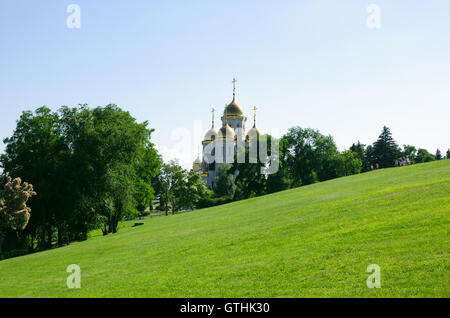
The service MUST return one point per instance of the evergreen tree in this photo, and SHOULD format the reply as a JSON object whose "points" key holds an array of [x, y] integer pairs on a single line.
{"points": [[360, 150], [385, 149], [438, 154]]}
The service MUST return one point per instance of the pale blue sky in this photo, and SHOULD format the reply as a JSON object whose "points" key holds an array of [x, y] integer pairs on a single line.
{"points": [[309, 63]]}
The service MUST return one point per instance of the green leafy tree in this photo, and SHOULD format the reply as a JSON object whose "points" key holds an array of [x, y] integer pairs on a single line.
{"points": [[348, 163], [147, 170], [448, 154], [37, 152], [409, 152], [424, 156], [224, 183], [95, 163], [190, 191], [249, 178], [280, 180], [310, 156], [169, 183]]}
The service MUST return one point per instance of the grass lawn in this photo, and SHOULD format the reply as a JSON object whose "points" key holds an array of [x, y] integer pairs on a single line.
{"points": [[313, 241]]}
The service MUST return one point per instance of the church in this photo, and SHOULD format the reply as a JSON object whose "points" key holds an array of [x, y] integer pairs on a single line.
{"points": [[220, 146]]}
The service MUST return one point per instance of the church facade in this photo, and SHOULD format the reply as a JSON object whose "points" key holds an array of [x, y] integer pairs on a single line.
{"points": [[220, 146]]}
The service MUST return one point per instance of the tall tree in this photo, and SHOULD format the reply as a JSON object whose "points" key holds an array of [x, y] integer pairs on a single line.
{"points": [[360, 150], [280, 180], [224, 183], [310, 156], [89, 167], [250, 179], [37, 152], [385, 149], [170, 181], [438, 154]]}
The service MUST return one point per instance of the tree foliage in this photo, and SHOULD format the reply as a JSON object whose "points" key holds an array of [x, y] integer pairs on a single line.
{"points": [[14, 212], [424, 156], [91, 168], [385, 149]]}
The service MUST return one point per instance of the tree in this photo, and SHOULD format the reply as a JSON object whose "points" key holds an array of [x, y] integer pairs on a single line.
{"points": [[91, 168], [369, 159], [385, 149], [448, 154], [114, 162], [169, 180], [359, 149], [279, 180], [224, 183], [348, 163], [14, 212], [409, 152], [190, 190], [178, 187], [147, 170], [363, 154], [249, 179], [423, 156], [36, 151], [309, 156], [438, 155]]}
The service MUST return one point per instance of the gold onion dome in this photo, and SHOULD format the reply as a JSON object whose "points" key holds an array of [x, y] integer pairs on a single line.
{"points": [[252, 133], [197, 162], [226, 133], [233, 110], [210, 134]]}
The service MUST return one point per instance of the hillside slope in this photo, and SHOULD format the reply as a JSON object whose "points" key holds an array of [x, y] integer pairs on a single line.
{"points": [[314, 241]]}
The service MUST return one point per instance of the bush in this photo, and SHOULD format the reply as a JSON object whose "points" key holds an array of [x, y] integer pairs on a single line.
{"points": [[15, 253], [209, 202]]}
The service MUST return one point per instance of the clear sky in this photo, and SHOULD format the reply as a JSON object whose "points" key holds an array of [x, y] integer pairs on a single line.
{"points": [[310, 63]]}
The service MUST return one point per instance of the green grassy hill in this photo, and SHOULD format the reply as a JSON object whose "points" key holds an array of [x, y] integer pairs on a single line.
{"points": [[314, 241]]}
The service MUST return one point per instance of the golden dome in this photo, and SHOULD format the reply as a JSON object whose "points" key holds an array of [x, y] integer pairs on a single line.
{"points": [[210, 135], [252, 133], [226, 133], [197, 162], [233, 110]]}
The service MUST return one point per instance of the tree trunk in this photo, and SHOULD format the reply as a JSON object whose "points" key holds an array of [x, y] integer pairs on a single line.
{"points": [[60, 237], [33, 237], [85, 231], [49, 236], [2, 239], [167, 202], [66, 231]]}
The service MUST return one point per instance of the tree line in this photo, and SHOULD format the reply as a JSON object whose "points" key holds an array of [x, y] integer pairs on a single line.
{"points": [[305, 157], [92, 168]]}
